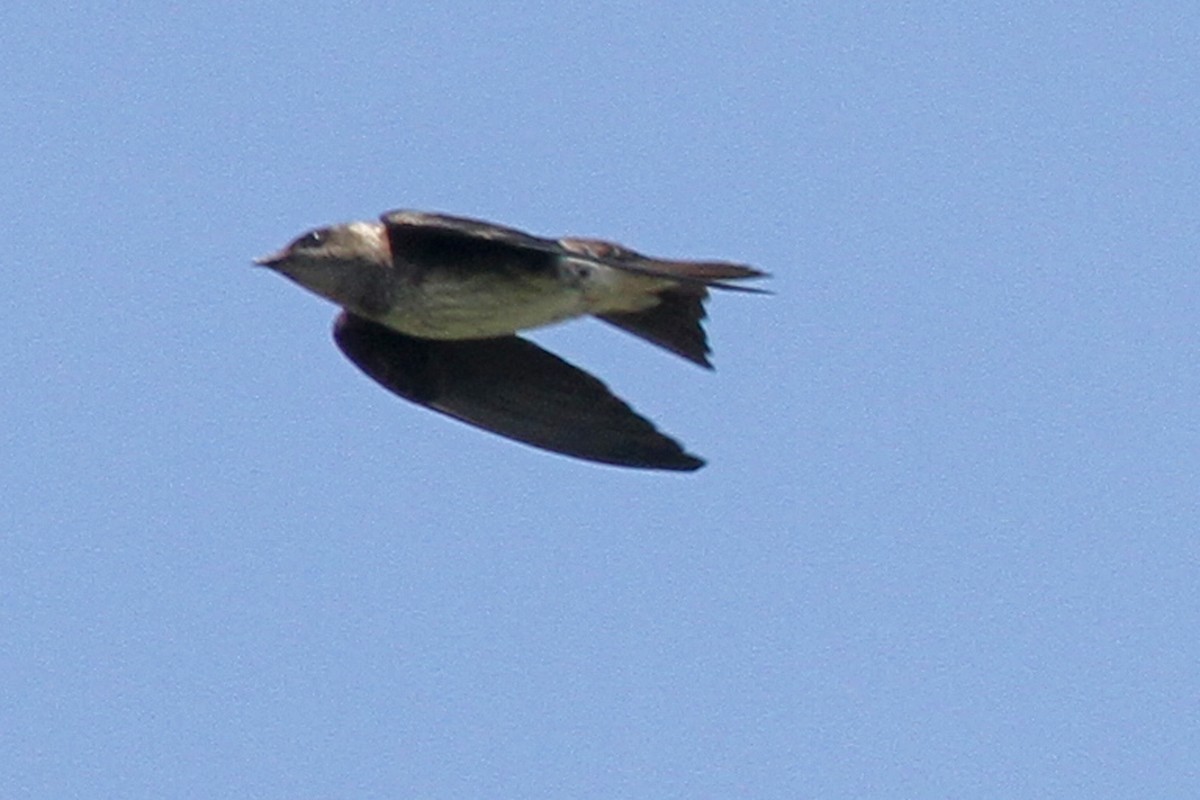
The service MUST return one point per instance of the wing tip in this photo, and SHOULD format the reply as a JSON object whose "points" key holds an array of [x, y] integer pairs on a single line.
{"points": [[674, 462], [688, 463]]}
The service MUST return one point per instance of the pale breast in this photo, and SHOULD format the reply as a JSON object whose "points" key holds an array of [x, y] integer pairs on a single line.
{"points": [[483, 306]]}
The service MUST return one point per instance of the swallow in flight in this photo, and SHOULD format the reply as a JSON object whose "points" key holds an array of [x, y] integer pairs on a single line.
{"points": [[432, 304]]}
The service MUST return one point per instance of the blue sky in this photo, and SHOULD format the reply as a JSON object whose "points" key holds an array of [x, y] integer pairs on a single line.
{"points": [[946, 544]]}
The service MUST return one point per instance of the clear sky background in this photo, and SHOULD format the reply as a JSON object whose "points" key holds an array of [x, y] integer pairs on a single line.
{"points": [[947, 541]]}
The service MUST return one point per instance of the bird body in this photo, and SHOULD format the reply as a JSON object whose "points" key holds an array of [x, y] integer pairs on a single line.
{"points": [[430, 300]]}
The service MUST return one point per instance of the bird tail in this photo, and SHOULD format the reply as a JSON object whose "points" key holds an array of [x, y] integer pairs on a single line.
{"points": [[674, 324], [700, 274]]}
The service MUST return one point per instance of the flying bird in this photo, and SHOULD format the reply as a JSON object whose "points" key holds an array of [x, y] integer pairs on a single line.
{"points": [[431, 305]]}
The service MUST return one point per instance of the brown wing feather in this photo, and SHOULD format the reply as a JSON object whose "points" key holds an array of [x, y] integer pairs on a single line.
{"points": [[693, 273]]}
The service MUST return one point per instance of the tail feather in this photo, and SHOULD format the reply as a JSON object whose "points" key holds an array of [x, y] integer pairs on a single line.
{"points": [[696, 273], [707, 271], [715, 274], [674, 324]]}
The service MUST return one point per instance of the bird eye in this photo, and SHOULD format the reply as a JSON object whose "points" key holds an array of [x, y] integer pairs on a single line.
{"points": [[311, 239]]}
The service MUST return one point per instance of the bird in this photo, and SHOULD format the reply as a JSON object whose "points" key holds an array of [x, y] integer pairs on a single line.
{"points": [[432, 304]]}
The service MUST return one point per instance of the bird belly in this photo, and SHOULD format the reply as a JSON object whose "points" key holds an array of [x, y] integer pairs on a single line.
{"points": [[482, 307]]}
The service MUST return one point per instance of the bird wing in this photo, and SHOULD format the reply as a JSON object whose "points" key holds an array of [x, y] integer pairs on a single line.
{"points": [[407, 222], [512, 387], [425, 241], [424, 237]]}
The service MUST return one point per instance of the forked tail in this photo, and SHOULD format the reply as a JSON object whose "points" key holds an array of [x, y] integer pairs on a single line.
{"points": [[675, 324]]}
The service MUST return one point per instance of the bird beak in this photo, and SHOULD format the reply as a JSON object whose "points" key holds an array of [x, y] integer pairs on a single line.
{"points": [[269, 260]]}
